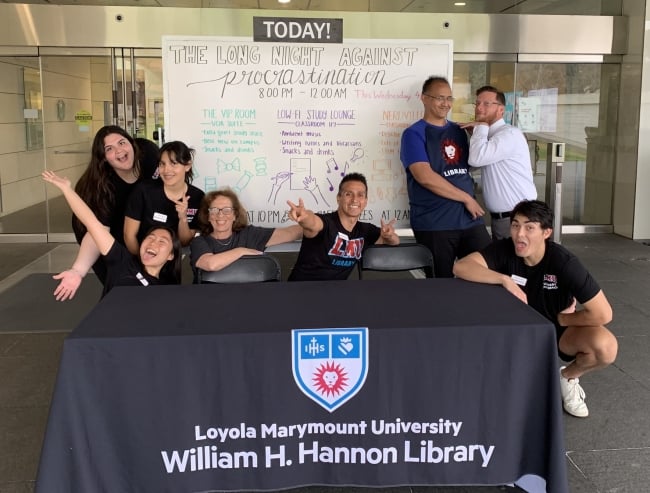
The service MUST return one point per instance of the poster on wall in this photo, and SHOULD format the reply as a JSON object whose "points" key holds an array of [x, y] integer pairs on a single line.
{"points": [[548, 108], [528, 110], [278, 121]]}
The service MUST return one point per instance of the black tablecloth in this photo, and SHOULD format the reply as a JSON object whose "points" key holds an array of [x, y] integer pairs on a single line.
{"points": [[191, 388]]}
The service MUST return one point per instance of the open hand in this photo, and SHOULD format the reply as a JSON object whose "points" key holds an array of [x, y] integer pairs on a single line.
{"points": [[67, 288], [56, 180]]}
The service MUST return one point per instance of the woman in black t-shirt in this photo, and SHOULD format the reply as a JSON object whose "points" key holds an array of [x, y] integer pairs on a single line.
{"points": [[172, 200], [117, 163], [159, 257]]}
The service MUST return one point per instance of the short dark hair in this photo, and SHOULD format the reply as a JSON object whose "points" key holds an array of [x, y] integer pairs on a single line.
{"points": [[536, 211], [353, 177], [501, 98], [434, 79]]}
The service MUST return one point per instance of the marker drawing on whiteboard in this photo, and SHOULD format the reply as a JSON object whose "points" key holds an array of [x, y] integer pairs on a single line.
{"points": [[358, 154], [223, 166], [331, 161], [345, 169], [300, 169], [260, 166], [278, 180], [210, 183], [243, 181], [331, 186], [312, 187]]}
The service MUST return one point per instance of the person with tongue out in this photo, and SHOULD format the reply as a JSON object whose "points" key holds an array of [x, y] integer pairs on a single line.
{"points": [[158, 260], [550, 279]]}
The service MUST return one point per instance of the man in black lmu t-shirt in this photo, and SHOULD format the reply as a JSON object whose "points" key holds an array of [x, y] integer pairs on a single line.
{"points": [[333, 243], [550, 279]]}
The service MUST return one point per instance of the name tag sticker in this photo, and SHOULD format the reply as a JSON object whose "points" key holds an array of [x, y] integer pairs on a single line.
{"points": [[161, 218], [519, 280]]}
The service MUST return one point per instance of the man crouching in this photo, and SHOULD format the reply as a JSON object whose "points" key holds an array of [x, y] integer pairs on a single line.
{"points": [[550, 279]]}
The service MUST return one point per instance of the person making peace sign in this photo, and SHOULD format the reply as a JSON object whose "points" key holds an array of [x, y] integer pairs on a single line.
{"points": [[173, 203]]}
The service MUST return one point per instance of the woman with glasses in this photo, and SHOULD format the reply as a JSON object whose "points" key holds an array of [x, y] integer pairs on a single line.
{"points": [[226, 235], [171, 201]]}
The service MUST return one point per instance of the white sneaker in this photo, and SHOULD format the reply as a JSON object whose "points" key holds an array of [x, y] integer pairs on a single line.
{"points": [[573, 396]]}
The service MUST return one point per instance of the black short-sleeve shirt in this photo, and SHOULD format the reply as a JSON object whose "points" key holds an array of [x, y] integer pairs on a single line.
{"points": [[334, 251], [149, 205], [552, 284], [123, 269]]}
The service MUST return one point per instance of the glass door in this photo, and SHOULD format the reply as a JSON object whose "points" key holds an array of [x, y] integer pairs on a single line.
{"points": [[22, 149], [52, 107], [574, 103], [75, 90], [137, 89]]}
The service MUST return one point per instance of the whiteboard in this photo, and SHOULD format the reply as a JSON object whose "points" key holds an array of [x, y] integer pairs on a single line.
{"points": [[283, 121]]}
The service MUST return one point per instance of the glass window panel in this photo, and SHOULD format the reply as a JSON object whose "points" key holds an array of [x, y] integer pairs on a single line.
{"points": [[22, 194], [575, 104]]}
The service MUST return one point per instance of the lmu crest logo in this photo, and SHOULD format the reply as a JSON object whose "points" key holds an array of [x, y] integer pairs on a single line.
{"points": [[330, 365]]}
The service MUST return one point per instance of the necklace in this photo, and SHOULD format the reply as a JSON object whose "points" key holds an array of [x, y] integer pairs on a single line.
{"points": [[227, 243]]}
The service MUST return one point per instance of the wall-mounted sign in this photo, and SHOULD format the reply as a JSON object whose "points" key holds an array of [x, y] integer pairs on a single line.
{"points": [[83, 119], [297, 30]]}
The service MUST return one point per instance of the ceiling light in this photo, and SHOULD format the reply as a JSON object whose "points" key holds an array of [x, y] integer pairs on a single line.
{"points": [[284, 1], [459, 4]]}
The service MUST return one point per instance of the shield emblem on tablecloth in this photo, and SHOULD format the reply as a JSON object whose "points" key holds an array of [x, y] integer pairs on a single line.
{"points": [[330, 365]]}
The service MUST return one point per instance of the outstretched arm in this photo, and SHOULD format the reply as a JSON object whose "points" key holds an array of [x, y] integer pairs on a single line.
{"points": [[310, 223], [71, 278], [285, 235], [131, 228], [102, 237], [474, 268]]}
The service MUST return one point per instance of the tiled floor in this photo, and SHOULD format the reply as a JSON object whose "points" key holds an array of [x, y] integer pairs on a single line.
{"points": [[606, 453]]}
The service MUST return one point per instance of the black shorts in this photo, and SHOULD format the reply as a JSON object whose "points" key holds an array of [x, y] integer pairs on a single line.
{"points": [[559, 330]]}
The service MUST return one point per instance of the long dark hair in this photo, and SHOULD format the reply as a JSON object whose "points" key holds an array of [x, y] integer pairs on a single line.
{"points": [[95, 186], [170, 273]]}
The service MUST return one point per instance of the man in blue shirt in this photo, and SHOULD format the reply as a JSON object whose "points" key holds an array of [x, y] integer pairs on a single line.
{"points": [[445, 216]]}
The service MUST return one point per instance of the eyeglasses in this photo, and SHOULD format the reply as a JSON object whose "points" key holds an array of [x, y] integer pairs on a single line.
{"points": [[226, 211], [441, 99], [486, 103]]}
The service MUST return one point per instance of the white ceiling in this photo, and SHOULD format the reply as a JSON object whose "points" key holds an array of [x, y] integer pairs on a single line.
{"points": [[555, 7]]}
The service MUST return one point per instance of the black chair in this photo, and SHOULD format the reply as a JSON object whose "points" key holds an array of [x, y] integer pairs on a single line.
{"points": [[386, 258], [249, 268]]}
